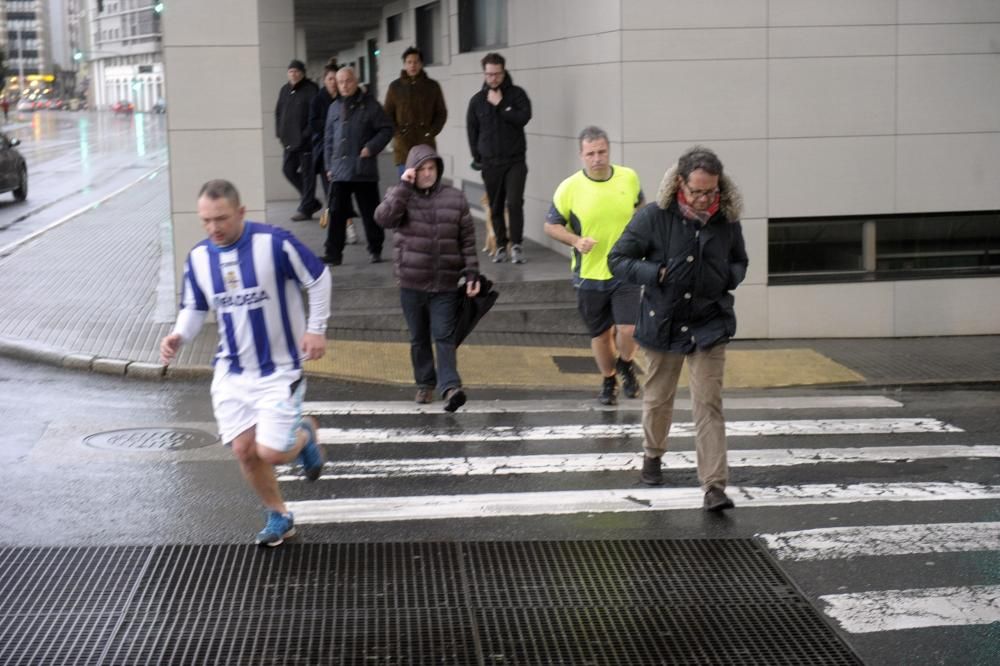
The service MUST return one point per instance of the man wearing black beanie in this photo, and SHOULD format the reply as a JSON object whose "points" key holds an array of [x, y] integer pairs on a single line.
{"points": [[291, 119]]}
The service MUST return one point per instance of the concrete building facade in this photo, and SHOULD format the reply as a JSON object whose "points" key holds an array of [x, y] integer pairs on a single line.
{"points": [[28, 48], [125, 59], [865, 134]]}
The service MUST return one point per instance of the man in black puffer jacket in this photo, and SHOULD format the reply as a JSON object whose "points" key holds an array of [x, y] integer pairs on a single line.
{"points": [[495, 124], [435, 245], [687, 252], [291, 120]]}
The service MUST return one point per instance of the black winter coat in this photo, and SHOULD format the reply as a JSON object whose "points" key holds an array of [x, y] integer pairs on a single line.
{"points": [[693, 307], [317, 121], [496, 133], [291, 115], [361, 124]]}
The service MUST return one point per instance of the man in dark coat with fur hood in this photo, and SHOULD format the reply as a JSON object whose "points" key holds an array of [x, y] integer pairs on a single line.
{"points": [[687, 252]]}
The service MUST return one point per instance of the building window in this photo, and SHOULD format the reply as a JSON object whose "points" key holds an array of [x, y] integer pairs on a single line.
{"points": [[883, 247], [394, 28], [428, 22], [482, 24]]}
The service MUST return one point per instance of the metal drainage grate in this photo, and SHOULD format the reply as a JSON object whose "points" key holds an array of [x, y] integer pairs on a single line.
{"points": [[151, 439], [582, 602]]}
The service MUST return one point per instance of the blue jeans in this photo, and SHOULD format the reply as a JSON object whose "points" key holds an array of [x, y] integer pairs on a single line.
{"points": [[430, 316]]}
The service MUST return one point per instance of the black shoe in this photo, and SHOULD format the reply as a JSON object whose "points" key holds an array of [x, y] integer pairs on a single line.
{"points": [[332, 261], [717, 500], [630, 385], [455, 398], [301, 217], [375, 258], [609, 391], [651, 475]]}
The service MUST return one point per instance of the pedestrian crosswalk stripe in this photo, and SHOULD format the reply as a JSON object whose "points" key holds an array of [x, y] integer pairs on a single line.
{"points": [[875, 426], [385, 408], [892, 610], [619, 462], [436, 507], [829, 543]]}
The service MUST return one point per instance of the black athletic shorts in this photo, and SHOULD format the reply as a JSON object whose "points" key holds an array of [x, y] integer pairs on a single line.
{"points": [[603, 309]]}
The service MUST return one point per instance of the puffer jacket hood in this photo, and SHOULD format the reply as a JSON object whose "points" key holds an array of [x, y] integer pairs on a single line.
{"points": [[420, 154], [730, 197]]}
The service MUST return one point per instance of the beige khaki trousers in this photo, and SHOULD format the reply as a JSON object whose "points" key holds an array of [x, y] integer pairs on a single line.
{"points": [[705, 370]]}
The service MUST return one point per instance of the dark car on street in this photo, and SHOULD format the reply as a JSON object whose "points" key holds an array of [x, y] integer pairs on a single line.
{"points": [[13, 169]]}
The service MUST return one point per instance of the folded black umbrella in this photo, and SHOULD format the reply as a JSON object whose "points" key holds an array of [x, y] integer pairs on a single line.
{"points": [[471, 310]]}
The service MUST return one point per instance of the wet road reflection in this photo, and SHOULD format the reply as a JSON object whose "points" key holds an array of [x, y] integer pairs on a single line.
{"points": [[76, 159]]}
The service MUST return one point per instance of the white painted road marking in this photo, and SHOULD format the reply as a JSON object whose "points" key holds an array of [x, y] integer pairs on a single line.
{"points": [[626, 462], [831, 543], [883, 426], [436, 507], [890, 610], [385, 408]]}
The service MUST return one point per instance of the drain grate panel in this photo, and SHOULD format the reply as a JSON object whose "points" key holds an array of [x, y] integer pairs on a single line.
{"points": [[378, 637], [302, 578], [577, 602], [615, 573], [62, 605], [714, 635]]}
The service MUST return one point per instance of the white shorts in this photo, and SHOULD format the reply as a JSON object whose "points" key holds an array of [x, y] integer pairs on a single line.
{"points": [[272, 404]]}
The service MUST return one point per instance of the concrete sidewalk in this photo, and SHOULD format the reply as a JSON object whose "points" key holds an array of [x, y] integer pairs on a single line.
{"points": [[96, 293]]}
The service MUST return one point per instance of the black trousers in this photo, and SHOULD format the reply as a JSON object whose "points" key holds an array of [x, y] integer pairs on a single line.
{"points": [[505, 189], [367, 196], [299, 169]]}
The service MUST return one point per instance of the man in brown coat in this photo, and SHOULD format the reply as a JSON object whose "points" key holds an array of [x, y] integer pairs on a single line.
{"points": [[435, 245], [416, 107]]}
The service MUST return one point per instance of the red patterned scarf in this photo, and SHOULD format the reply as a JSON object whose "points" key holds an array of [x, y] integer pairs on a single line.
{"points": [[690, 213]]}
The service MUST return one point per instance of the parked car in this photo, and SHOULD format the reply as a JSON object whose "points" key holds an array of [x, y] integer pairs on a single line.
{"points": [[160, 106], [123, 106], [25, 105], [13, 169]]}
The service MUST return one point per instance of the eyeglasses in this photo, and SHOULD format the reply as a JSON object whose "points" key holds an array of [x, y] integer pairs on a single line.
{"points": [[698, 194]]}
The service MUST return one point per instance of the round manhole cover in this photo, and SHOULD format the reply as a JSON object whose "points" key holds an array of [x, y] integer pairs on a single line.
{"points": [[151, 439]]}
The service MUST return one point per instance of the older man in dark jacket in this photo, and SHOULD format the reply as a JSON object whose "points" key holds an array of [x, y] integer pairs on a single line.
{"points": [[687, 252], [495, 124], [357, 130], [291, 120], [435, 245]]}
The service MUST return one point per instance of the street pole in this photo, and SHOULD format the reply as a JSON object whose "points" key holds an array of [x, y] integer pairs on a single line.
{"points": [[20, 65]]}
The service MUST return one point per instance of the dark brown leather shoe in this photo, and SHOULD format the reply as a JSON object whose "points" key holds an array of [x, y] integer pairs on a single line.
{"points": [[455, 398], [652, 474], [425, 395], [717, 500]]}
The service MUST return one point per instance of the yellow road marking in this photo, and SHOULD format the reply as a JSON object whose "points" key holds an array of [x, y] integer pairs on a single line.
{"points": [[505, 366]]}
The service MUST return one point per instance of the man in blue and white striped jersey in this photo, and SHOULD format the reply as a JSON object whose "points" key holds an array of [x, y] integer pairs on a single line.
{"points": [[253, 275]]}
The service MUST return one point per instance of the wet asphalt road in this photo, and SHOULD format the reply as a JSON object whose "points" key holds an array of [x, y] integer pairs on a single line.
{"points": [[60, 492], [74, 160]]}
